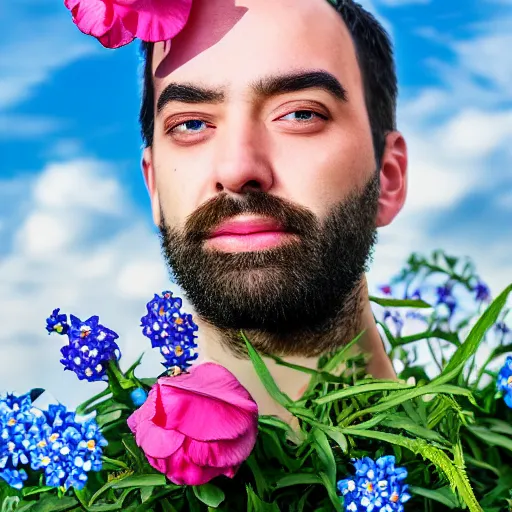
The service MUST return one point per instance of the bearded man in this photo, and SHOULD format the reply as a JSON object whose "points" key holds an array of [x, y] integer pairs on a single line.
{"points": [[271, 158]]}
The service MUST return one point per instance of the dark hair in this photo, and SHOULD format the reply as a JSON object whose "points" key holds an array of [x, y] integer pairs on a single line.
{"points": [[374, 52]]}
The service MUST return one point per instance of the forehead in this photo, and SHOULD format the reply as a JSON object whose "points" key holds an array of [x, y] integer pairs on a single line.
{"points": [[234, 42]]}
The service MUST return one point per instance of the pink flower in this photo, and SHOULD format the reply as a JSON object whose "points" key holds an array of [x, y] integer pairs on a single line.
{"points": [[118, 22], [197, 426]]}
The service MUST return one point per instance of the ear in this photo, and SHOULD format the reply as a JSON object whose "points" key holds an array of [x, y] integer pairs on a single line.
{"points": [[150, 179], [393, 179]]}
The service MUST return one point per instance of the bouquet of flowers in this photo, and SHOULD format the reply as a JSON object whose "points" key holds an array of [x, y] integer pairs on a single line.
{"points": [[192, 439]]}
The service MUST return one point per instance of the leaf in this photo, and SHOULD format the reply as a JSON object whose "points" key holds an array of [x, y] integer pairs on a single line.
{"points": [[400, 303], [209, 494], [470, 346], [49, 503], [141, 481], [104, 419], [255, 504], [107, 507], [396, 421], [491, 438], [331, 491], [265, 376], [130, 373], [80, 410], [456, 475], [297, 479], [325, 455], [444, 495], [356, 390]]}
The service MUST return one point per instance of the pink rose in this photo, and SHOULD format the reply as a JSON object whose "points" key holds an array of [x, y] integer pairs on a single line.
{"points": [[197, 426], [118, 22]]}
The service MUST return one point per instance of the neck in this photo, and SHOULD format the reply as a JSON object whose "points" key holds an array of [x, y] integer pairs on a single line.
{"points": [[219, 347]]}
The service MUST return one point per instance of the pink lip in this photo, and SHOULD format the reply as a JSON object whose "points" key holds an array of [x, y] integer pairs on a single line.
{"points": [[246, 226], [248, 234]]}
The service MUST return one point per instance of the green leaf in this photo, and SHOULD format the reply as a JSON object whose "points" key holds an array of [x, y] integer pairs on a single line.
{"points": [[153, 480], [104, 419], [491, 438], [209, 494], [130, 373], [324, 451], [455, 474], [36, 489], [356, 390], [265, 376], [331, 491], [255, 504], [297, 479], [400, 303], [80, 410], [397, 421], [107, 507], [444, 495], [49, 503], [487, 320]]}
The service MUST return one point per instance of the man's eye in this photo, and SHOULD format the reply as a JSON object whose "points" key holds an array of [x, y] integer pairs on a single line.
{"points": [[190, 126], [303, 116]]}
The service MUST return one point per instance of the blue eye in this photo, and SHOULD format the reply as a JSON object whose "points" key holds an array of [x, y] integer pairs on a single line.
{"points": [[192, 125], [303, 115]]}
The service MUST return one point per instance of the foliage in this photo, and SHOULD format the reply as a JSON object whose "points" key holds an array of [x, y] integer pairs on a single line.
{"points": [[446, 425]]}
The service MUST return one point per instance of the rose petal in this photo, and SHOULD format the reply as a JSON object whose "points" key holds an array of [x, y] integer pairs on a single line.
{"points": [[156, 441], [117, 35], [182, 471], [92, 17], [159, 20], [220, 453]]}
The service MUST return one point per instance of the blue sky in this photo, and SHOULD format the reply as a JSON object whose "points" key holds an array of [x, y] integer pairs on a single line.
{"points": [[75, 226]]}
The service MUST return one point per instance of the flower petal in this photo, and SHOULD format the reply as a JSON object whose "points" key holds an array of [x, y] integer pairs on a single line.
{"points": [[220, 453], [156, 441], [159, 20]]}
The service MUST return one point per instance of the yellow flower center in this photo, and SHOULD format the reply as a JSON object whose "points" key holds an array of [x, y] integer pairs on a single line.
{"points": [[45, 461], [41, 443], [91, 444], [394, 497], [369, 487], [161, 312], [53, 438], [178, 350], [509, 381], [178, 321], [11, 422], [58, 328]]}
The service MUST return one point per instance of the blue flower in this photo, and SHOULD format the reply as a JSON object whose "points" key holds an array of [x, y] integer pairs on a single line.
{"points": [[20, 431], [57, 323], [68, 450], [482, 291], [91, 346], [170, 330], [14, 477], [444, 296], [397, 321], [138, 396], [377, 486], [504, 381], [502, 327]]}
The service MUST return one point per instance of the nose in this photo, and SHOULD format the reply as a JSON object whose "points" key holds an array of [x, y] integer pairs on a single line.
{"points": [[242, 160]]}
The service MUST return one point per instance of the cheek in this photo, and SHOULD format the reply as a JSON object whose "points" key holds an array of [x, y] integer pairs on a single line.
{"points": [[319, 174], [178, 182]]}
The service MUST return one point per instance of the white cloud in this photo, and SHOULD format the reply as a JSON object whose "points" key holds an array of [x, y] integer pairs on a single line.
{"points": [[55, 263], [26, 127]]}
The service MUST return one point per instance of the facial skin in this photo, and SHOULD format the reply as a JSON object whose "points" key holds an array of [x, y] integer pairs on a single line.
{"points": [[302, 157]]}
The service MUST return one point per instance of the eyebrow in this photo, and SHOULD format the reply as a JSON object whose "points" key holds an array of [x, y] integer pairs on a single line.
{"points": [[265, 87]]}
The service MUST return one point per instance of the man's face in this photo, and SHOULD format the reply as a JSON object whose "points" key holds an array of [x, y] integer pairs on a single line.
{"points": [[290, 168]]}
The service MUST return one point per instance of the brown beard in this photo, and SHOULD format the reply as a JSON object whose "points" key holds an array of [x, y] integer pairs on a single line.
{"points": [[301, 298]]}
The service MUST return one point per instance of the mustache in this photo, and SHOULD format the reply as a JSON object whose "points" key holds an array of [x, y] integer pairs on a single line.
{"points": [[294, 219]]}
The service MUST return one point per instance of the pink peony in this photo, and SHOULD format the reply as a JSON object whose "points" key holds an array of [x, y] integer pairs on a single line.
{"points": [[197, 426], [118, 22]]}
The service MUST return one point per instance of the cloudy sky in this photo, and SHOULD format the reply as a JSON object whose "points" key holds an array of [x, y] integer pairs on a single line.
{"points": [[75, 228]]}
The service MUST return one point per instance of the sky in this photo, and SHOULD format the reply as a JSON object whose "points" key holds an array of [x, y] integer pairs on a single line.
{"points": [[75, 224]]}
